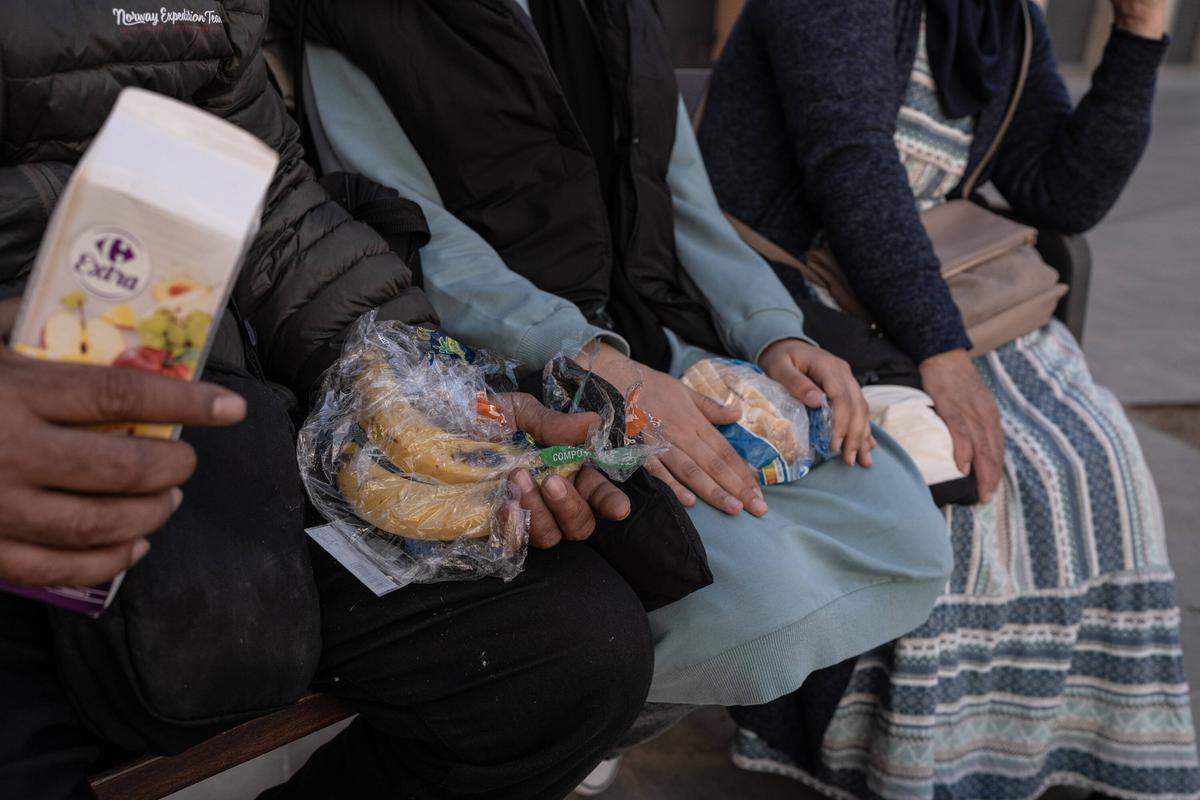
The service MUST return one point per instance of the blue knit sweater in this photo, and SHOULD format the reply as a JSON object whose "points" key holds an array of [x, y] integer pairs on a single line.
{"points": [[797, 136]]}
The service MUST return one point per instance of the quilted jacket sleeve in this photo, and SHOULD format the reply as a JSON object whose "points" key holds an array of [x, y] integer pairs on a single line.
{"points": [[312, 270], [28, 194]]}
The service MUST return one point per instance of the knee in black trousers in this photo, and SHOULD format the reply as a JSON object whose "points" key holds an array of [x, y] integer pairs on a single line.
{"points": [[480, 689]]}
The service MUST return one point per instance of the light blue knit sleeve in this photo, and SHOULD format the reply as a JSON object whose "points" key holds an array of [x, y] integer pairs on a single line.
{"points": [[751, 307], [479, 299]]}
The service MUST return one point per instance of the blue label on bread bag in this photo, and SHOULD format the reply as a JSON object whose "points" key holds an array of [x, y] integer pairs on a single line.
{"points": [[762, 456], [820, 432]]}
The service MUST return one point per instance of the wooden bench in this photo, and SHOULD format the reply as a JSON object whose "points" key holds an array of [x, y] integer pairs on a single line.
{"points": [[154, 777]]}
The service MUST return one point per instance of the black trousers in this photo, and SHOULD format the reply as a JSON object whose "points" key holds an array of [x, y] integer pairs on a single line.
{"points": [[474, 689]]}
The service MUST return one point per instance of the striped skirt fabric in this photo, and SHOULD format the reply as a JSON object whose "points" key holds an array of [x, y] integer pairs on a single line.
{"points": [[1054, 656]]}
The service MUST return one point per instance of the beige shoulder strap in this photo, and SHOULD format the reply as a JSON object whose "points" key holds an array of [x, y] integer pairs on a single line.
{"points": [[1018, 90], [764, 246]]}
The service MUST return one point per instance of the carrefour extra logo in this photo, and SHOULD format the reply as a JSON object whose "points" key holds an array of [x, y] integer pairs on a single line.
{"points": [[110, 264]]}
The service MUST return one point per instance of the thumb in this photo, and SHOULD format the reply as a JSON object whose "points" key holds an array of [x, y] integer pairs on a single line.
{"points": [[799, 385], [715, 412], [964, 448], [550, 427]]}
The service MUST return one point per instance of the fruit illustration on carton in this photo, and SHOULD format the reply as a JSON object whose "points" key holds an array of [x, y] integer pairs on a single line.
{"points": [[69, 335], [122, 316], [167, 341]]}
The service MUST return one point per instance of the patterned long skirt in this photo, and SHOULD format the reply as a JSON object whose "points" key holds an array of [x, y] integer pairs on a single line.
{"points": [[1054, 656]]}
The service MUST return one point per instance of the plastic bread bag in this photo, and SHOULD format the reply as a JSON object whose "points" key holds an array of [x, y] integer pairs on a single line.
{"points": [[779, 436], [408, 450], [628, 435]]}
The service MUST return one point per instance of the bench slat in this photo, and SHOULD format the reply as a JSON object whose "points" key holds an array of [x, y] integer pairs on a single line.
{"points": [[154, 777]]}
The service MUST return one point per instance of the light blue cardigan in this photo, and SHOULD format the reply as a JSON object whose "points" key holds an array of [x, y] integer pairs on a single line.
{"points": [[484, 303]]}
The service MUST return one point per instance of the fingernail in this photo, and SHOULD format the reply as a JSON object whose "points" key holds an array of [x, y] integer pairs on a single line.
{"points": [[556, 488], [757, 507], [732, 505], [228, 408], [813, 398], [688, 499], [176, 498], [140, 548], [524, 482]]}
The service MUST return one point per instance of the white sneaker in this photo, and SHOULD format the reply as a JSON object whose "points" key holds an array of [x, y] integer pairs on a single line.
{"points": [[600, 779]]}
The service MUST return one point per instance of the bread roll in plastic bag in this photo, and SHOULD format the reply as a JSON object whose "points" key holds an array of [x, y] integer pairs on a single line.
{"points": [[779, 436], [408, 450]]}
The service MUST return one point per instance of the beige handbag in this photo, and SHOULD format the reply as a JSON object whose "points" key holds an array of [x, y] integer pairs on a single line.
{"points": [[1000, 284]]}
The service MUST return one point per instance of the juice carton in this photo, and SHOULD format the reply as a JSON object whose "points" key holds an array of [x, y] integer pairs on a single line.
{"points": [[141, 254]]}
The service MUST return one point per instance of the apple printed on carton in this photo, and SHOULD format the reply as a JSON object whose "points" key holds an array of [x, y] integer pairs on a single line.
{"points": [[167, 341], [69, 335]]}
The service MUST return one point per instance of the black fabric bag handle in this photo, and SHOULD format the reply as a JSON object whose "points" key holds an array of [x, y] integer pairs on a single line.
{"points": [[400, 221], [656, 549]]}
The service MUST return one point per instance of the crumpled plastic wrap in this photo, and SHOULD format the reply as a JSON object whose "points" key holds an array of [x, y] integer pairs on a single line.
{"points": [[407, 454], [628, 435], [779, 436]]}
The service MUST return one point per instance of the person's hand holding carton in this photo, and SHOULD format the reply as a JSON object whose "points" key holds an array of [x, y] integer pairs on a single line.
{"points": [[77, 505]]}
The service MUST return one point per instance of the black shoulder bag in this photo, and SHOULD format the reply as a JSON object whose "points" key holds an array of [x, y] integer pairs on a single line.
{"points": [[220, 622]]}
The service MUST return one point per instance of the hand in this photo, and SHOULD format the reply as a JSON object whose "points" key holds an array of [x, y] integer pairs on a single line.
{"points": [[700, 463], [1146, 18], [561, 509], [76, 505], [811, 375], [970, 412]]}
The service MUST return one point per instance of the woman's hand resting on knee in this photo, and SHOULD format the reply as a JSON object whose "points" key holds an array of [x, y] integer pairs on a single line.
{"points": [[812, 375], [701, 463], [967, 406]]}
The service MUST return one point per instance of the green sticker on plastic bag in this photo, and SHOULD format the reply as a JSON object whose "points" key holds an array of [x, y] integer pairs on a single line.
{"points": [[564, 455], [620, 459]]}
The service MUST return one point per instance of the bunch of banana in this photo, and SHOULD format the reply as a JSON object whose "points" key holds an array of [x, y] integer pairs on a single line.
{"points": [[437, 486], [416, 446], [399, 504]]}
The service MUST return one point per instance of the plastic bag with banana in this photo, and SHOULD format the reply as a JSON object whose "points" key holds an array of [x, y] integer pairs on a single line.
{"points": [[408, 450]]}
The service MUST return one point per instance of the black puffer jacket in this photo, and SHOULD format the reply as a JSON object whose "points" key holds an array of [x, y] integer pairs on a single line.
{"points": [[312, 269]]}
